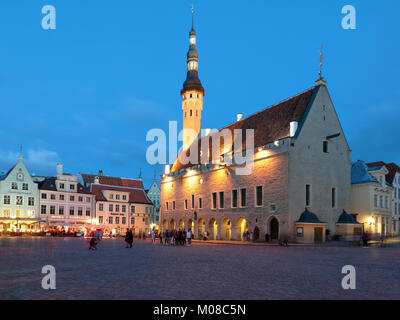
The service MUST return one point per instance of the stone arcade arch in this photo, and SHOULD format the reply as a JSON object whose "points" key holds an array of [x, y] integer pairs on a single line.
{"points": [[213, 229], [226, 233], [181, 225], [201, 227], [241, 227], [172, 225], [190, 225]]}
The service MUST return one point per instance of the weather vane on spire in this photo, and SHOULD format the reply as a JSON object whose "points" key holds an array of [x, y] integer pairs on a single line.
{"points": [[321, 60]]}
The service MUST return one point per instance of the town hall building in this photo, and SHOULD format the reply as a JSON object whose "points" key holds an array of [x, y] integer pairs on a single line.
{"points": [[299, 187]]}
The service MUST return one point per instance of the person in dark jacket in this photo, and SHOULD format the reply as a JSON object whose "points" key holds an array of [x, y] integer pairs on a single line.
{"points": [[129, 238]]}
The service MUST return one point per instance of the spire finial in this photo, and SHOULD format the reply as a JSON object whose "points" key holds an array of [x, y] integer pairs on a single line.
{"points": [[321, 62], [192, 16]]}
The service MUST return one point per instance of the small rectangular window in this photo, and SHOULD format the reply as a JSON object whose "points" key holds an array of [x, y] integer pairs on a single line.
{"points": [[200, 203], [234, 198], [333, 203], [300, 231], [325, 146], [308, 195], [259, 195], [192, 201], [243, 200], [214, 200], [186, 204], [221, 200], [173, 204]]}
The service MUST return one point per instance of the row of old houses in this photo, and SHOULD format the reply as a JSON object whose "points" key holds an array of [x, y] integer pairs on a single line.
{"points": [[72, 202]]}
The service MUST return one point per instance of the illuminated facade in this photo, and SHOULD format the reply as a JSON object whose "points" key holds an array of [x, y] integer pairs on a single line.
{"points": [[301, 160], [371, 197], [120, 203], [65, 202], [19, 200]]}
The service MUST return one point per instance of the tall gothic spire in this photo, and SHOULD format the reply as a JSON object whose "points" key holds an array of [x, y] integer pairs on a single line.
{"points": [[192, 78]]}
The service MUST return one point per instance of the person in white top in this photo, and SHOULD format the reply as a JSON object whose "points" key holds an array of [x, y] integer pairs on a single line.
{"points": [[153, 236], [189, 237]]}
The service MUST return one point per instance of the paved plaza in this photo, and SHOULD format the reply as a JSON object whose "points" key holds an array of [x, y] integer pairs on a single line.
{"points": [[203, 271]]}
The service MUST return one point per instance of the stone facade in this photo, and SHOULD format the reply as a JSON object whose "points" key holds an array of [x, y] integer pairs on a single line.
{"points": [[314, 159]]}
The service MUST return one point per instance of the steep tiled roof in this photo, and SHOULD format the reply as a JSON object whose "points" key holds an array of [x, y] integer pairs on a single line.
{"points": [[112, 181], [135, 195], [50, 184], [270, 124], [392, 168]]}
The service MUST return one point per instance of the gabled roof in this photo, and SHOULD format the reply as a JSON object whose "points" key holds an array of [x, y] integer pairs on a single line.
{"points": [[392, 168], [135, 195], [309, 217], [112, 181], [49, 183], [4, 176], [270, 124]]}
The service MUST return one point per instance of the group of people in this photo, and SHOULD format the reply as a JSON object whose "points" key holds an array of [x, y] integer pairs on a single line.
{"points": [[177, 238]]}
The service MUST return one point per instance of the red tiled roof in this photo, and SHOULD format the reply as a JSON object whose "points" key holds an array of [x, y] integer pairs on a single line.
{"points": [[113, 181], [392, 168], [135, 195], [270, 124]]}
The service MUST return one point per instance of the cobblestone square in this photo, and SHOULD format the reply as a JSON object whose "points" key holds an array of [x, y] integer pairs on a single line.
{"points": [[203, 271]]}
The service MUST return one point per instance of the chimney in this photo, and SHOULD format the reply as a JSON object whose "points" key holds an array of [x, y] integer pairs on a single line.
{"points": [[293, 128], [100, 173], [59, 169], [239, 116]]}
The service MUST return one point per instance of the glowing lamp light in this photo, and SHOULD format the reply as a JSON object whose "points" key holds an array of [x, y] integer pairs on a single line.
{"points": [[370, 221], [260, 149]]}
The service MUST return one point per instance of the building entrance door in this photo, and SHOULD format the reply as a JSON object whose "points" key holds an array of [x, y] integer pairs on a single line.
{"points": [[274, 229], [318, 234]]}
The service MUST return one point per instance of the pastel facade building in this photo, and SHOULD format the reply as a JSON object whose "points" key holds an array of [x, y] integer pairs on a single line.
{"points": [[301, 164], [392, 178], [154, 194], [120, 203], [19, 200], [65, 202], [371, 197]]}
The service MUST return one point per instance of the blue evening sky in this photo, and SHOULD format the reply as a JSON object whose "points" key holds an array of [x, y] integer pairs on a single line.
{"points": [[86, 93]]}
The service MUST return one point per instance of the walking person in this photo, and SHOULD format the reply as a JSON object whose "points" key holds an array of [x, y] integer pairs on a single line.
{"points": [[365, 239], [161, 236], [153, 236], [189, 237], [129, 238]]}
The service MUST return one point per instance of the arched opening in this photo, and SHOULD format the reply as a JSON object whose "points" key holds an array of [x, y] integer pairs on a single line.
{"points": [[256, 234], [181, 225], [201, 227], [165, 225], [226, 229], [190, 225], [274, 229], [213, 229], [241, 228], [172, 225]]}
